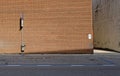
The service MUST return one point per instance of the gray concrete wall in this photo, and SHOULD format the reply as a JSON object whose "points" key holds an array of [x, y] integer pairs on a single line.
{"points": [[106, 21]]}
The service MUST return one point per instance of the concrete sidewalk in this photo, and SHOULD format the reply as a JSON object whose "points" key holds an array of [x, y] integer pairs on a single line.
{"points": [[97, 59]]}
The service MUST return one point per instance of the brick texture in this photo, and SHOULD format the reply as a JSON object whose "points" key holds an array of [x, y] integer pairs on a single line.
{"points": [[50, 26]]}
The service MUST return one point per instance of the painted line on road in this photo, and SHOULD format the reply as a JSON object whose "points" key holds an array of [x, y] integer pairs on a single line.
{"points": [[13, 65], [106, 60], [77, 65], [59, 65]]}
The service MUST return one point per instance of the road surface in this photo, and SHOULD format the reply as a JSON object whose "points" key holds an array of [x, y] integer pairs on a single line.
{"points": [[60, 71], [98, 64]]}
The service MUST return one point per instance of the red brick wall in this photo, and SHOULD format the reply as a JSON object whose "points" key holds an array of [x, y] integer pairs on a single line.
{"points": [[50, 26]]}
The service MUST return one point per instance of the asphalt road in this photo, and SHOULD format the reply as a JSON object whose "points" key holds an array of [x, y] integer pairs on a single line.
{"points": [[101, 63], [60, 71]]}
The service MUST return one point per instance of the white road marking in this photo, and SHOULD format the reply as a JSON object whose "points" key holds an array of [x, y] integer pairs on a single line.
{"points": [[13, 65], [57, 65], [77, 65]]}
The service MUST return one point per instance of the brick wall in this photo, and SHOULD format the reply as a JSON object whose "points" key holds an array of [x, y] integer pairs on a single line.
{"points": [[50, 26]]}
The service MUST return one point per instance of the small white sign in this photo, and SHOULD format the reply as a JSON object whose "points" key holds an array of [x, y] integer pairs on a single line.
{"points": [[89, 36]]}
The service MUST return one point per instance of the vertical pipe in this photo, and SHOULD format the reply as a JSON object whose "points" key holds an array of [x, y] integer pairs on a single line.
{"points": [[22, 33]]}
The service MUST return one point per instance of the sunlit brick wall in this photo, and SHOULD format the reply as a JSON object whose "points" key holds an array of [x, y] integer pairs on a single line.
{"points": [[50, 26]]}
